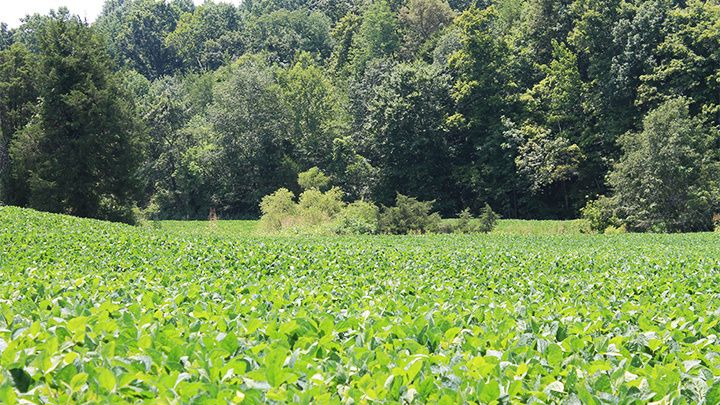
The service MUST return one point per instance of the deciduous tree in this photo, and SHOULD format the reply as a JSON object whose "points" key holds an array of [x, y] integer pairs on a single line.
{"points": [[669, 176]]}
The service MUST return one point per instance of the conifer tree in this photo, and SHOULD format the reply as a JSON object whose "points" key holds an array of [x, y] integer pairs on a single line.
{"points": [[81, 151]]}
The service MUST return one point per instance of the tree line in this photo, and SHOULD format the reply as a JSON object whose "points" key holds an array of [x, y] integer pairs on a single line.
{"points": [[534, 107]]}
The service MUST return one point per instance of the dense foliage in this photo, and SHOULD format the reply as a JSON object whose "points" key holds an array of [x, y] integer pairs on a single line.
{"points": [[667, 180], [94, 312], [521, 104], [78, 154]]}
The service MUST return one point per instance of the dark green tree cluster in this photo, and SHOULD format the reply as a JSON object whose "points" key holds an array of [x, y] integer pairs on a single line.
{"points": [[534, 107], [71, 129]]}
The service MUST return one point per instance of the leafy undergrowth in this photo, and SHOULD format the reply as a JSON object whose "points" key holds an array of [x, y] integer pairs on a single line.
{"points": [[92, 312]]}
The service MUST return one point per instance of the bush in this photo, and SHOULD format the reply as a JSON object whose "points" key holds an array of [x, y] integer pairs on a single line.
{"points": [[316, 212], [358, 218], [467, 223], [276, 209], [488, 219], [612, 230], [313, 178], [316, 207], [409, 216], [600, 215]]}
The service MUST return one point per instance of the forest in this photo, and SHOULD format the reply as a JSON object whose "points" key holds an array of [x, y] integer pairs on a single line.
{"points": [[543, 109]]}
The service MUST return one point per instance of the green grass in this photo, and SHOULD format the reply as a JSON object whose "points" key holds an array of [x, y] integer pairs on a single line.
{"points": [[247, 228], [228, 228], [92, 312], [535, 227]]}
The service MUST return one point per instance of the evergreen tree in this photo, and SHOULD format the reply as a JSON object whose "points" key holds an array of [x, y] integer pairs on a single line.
{"points": [[18, 97], [5, 37], [81, 151]]}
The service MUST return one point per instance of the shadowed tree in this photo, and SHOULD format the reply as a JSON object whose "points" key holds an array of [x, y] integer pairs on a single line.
{"points": [[81, 151], [18, 100], [669, 176]]}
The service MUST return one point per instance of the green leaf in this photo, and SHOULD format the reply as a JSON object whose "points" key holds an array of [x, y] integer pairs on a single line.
{"points": [[554, 354], [490, 392], [48, 362], [326, 326], [51, 345], [8, 356], [106, 379], [451, 333], [7, 393], [426, 388], [712, 397], [273, 366], [108, 350], [414, 369], [585, 397], [603, 384], [366, 383], [78, 381], [447, 400]]}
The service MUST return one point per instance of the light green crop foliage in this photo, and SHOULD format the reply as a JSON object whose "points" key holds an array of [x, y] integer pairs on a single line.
{"points": [[97, 312]]}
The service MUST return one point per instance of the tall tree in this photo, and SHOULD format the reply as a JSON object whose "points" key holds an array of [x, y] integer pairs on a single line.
{"points": [[407, 122], [165, 112], [18, 89], [82, 150], [284, 33], [141, 38], [6, 38], [208, 38], [637, 34], [421, 20], [32, 25], [343, 33], [688, 60], [556, 137], [248, 116], [313, 112], [378, 37], [667, 179], [18, 99], [482, 94]]}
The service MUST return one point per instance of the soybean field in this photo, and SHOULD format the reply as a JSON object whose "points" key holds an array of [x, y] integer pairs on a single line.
{"points": [[99, 313]]}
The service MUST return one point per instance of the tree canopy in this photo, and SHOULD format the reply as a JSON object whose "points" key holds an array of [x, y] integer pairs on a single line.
{"points": [[535, 107]]}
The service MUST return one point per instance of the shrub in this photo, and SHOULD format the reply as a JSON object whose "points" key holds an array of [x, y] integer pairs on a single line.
{"points": [[316, 207], [612, 230], [465, 223], [488, 219], [315, 212], [358, 218], [276, 208], [409, 216], [600, 215], [446, 226]]}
